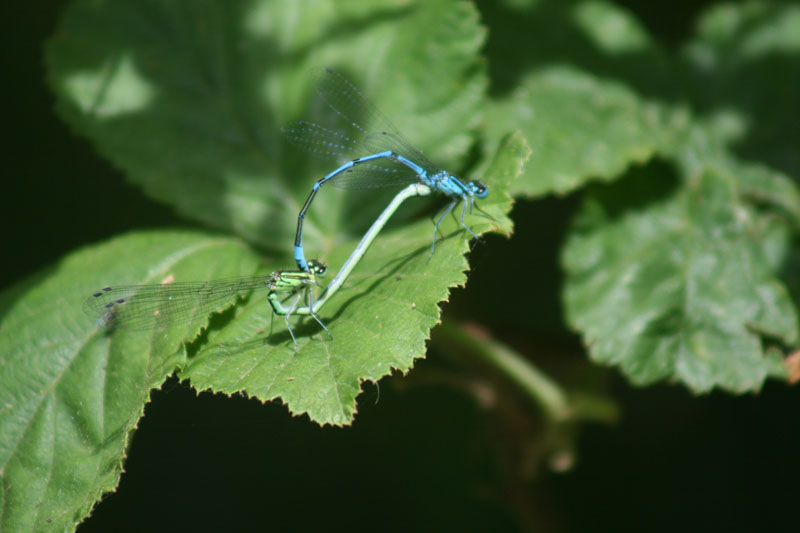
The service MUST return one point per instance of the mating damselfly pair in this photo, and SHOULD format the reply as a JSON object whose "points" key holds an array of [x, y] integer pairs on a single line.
{"points": [[390, 161]]}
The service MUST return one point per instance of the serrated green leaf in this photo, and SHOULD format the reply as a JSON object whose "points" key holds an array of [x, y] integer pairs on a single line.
{"points": [[71, 394], [380, 320], [705, 146], [188, 99], [680, 288], [581, 129]]}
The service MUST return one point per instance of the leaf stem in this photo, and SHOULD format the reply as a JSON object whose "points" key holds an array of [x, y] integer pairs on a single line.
{"points": [[538, 385]]}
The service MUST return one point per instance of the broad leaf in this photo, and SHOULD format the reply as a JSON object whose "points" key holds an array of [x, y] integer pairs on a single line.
{"points": [[72, 393], [682, 287], [73, 390], [589, 91], [581, 129], [380, 320], [188, 99]]}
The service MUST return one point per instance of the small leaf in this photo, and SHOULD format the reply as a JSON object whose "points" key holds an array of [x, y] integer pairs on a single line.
{"points": [[680, 288]]}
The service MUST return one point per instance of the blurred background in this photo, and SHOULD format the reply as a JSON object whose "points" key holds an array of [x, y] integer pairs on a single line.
{"points": [[419, 455]]}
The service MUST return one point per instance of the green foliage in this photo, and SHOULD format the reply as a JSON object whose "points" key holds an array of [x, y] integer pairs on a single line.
{"points": [[379, 322], [189, 102], [58, 366], [680, 288], [743, 62], [675, 264], [72, 393], [562, 110]]}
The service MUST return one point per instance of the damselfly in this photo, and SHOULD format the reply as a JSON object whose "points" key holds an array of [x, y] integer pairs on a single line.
{"points": [[392, 160], [158, 306]]}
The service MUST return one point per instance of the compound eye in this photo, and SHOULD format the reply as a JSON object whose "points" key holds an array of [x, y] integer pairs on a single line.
{"points": [[317, 267], [481, 191]]}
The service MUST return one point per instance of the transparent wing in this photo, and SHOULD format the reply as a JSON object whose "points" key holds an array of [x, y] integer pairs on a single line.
{"points": [[348, 102], [373, 175], [376, 142], [321, 142], [146, 307], [331, 144]]}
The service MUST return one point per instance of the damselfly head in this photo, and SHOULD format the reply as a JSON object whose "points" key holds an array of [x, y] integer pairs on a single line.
{"points": [[318, 268], [479, 190]]}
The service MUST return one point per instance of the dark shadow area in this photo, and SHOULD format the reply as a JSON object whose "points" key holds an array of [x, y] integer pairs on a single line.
{"points": [[671, 23], [764, 91], [677, 462], [642, 186], [207, 462]]}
